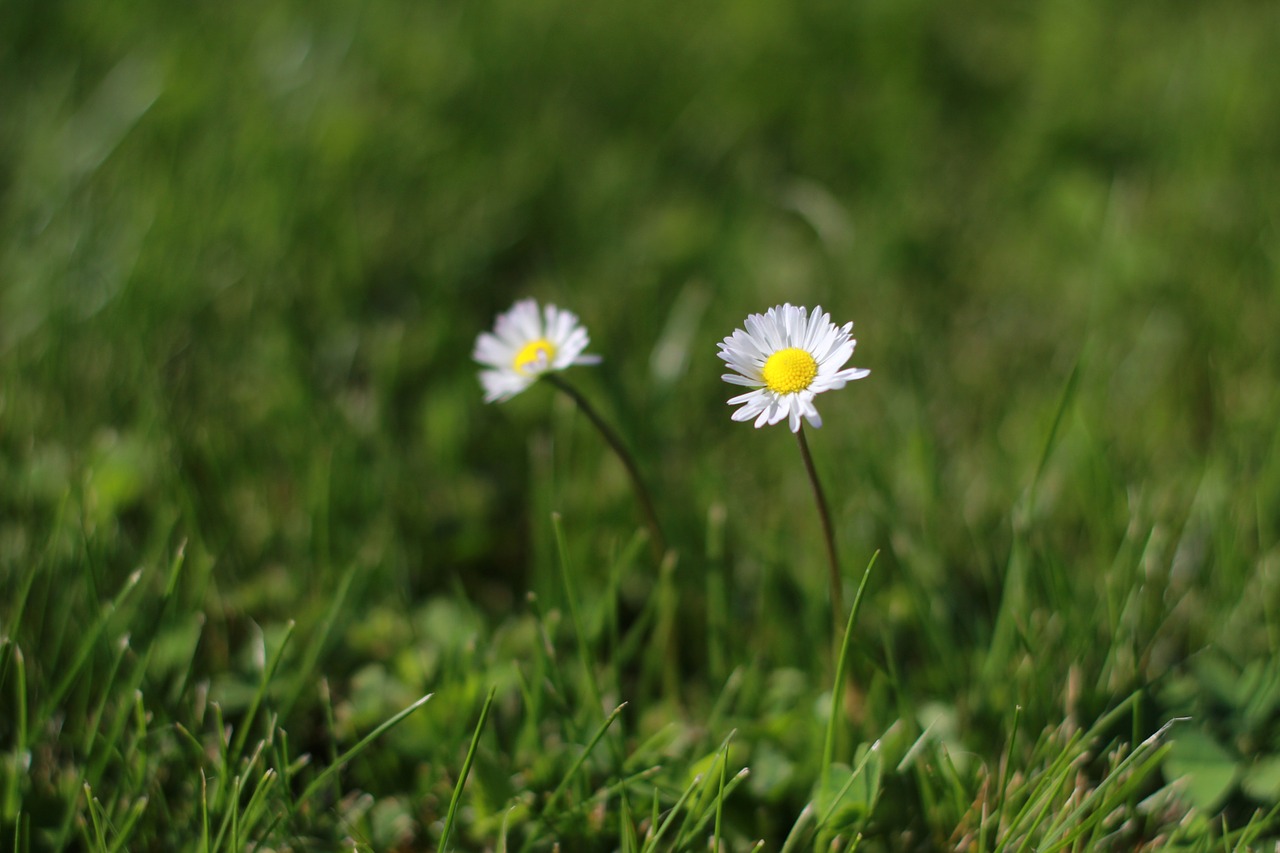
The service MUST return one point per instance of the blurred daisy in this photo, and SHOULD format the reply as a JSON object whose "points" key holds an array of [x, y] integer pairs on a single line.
{"points": [[526, 343], [788, 356]]}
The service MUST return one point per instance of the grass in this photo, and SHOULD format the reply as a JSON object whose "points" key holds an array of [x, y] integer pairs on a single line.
{"points": [[272, 576]]}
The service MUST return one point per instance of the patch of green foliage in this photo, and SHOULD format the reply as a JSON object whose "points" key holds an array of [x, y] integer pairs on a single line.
{"points": [[253, 512]]}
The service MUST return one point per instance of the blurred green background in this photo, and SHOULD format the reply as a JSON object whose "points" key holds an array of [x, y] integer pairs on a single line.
{"points": [[245, 249]]}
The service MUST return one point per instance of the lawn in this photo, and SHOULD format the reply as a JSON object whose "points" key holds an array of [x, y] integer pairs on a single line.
{"points": [[274, 576]]}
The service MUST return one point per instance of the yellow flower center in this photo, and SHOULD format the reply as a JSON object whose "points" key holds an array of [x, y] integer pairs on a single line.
{"points": [[790, 370], [533, 356]]}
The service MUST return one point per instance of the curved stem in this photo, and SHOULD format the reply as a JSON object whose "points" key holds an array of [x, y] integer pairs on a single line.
{"points": [[657, 540], [828, 532]]}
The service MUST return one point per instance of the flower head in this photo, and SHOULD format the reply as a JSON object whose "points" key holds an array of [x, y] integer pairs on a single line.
{"points": [[788, 356], [524, 344]]}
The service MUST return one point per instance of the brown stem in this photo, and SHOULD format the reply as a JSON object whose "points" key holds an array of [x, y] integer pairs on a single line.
{"points": [[656, 540], [837, 594]]}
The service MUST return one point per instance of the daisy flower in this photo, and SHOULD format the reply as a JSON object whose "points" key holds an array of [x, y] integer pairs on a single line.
{"points": [[788, 356], [526, 343]]}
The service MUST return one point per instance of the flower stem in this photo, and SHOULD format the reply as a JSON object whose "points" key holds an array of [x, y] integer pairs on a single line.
{"points": [[828, 532], [656, 540]]}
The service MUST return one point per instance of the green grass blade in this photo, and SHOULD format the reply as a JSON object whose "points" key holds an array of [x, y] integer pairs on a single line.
{"points": [[837, 688], [205, 846], [731, 786], [720, 795], [87, 642], [581, 759], [257, 801], [800, 829], [342, 760], [19, 765], [466, 771], [571, 597], [96, 819], [652, 842], [268, 673], [130, 821], [694, 818], [1004, 772], [319, 639]]}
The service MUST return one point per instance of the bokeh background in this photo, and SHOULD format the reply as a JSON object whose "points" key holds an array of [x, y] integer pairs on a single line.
{"points": [[245, 249]]}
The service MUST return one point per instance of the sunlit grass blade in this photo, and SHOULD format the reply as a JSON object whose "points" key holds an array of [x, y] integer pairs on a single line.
{"points": [[231, 820], [651, 843], [88, 640], [603, 795], [253, 810], [800, 830], [1003, 778], [19, 606], [661, 665], [590, 678], [18, 765], [1040, 795], [302, 672], [712, 781], [91, 773], [130, 821], [716, 841], [729, 693], [18, 825], [466, 771], [1013, 596], [630, 842], [869, 755], [1117, 785], [837, 687], [107, 693], [580, 760], [96, 820], [552, 682], [175, 569], [264, 683], [329, 772], [205, 840], [716, 811], [620, 566]]}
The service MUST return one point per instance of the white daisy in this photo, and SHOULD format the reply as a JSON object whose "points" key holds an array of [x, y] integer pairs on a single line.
{"points": [[788, 356], [526, 343]]}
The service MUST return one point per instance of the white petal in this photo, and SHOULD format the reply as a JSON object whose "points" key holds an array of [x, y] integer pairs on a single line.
{"points": [[817, 323], [553, 322], [754, 405], [521, 324], [811, 413], [489, 350], [759, 334], [758, 394], [838, 380], [835, 359], [569, 347], [500, 385]]}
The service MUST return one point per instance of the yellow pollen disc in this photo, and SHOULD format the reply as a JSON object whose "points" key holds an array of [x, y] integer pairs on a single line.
{"points": [[533, 355], [790, 370]]}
